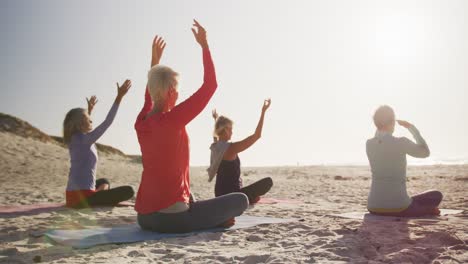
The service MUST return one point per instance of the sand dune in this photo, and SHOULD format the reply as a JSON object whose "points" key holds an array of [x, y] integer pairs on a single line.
{"points": [[33, 171]]}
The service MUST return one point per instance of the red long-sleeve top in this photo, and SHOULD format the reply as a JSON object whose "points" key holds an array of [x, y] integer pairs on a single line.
{"points": [[164, 145]]}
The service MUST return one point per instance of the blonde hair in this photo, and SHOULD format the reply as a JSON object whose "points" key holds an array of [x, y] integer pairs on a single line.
{"points": [[72, 123], [160, 79], [221, 123], [383, 116]]}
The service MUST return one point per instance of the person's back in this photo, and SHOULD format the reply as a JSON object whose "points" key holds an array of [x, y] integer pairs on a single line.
{"points": [[228, 178], [164, 202], [170, 183], [387, 159], [83, 162]]}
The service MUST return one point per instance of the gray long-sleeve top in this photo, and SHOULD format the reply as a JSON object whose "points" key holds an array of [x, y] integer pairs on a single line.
{"points": [[83, 155], [387, 158]]}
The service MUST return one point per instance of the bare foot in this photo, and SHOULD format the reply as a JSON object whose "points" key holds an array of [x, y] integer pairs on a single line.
{"points": [[228, 223], [255, 200], [103, 187], [436, 211]]}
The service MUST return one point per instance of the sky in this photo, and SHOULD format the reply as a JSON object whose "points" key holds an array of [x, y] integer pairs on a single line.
{"points": [[326, 65]]}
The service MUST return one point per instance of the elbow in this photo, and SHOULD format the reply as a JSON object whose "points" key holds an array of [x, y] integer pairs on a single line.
{"points": [[257, 135], [427, 153], [210, 81], [214, 84]]}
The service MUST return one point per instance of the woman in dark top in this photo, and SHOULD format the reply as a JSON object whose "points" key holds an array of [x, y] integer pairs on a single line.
{"points": [[225, 163]]}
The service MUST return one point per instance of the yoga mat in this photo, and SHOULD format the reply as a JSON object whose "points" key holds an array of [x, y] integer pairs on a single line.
{"points": [[6, 209], [30, 209], [369, 216], [86, 238], [269, 200]]}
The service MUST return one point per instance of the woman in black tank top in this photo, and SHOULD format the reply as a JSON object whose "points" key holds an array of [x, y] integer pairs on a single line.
{"points": [[228, 178]]}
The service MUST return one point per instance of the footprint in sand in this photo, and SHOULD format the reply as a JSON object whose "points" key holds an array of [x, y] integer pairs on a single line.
{"points": [[8, 252], [323, 233], [135, 253], [254, 238]]}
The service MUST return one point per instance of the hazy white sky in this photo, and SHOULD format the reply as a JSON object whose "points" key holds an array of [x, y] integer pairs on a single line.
{"points": [[326, 65]]}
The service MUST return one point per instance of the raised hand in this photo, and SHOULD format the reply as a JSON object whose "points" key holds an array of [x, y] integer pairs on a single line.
{"points": [[91, 103], [214, 114], [266, 105], [122, 90], [158, 48], [200, 35], [404, 124]]}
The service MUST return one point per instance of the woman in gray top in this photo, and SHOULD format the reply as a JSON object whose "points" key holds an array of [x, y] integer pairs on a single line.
{"points": [[387, 158]]}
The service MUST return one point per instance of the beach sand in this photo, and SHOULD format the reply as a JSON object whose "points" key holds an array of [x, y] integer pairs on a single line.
{"points": [[36, 172]]}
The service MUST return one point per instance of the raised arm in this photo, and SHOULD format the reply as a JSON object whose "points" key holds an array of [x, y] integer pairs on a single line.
{"points": [[93, 136], [418, 149], [156, 53], [240, 146], [214, 114], [186, 111]]}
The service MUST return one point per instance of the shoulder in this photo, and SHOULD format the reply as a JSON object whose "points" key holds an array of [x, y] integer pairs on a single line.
{"points": [[402, 139], [220, 145], [157, 119], [371, 141]]}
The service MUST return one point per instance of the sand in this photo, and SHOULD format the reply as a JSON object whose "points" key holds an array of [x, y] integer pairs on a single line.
{"points": [[36, 172]]}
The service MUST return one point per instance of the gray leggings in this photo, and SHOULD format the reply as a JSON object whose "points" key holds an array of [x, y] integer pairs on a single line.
{"points": [[201, 215]]}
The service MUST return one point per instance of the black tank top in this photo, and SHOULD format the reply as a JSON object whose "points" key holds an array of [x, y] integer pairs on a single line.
{"points": [[228, 179]]}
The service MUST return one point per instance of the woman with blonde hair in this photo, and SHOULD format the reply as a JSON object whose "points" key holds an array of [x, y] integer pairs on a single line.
{"points": [[83, 190], [163, 200], [225, 162], [387, 158]]}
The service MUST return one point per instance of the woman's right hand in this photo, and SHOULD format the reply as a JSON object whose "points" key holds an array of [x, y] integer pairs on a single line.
{"points": [[200, 35], [122, 90], [266, 105], [404, 124], [214, 114], [91, 103]]}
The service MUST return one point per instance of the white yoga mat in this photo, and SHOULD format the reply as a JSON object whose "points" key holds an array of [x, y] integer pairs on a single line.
{"points": [[86, 238], [368, 216]]}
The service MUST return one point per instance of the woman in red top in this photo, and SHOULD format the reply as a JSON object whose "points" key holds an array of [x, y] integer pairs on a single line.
{"points": [[163, 201]]}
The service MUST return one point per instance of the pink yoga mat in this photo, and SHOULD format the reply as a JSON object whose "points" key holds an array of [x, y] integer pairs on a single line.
{"points": [[23, 208], [269, 200], [44, 207]]}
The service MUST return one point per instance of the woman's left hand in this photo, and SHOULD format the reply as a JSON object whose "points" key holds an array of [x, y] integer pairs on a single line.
{"points": [[266, 105], [200, 35]]}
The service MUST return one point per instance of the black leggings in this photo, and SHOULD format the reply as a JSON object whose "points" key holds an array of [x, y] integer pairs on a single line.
{"points": [[257, 189], [109, 197]]}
